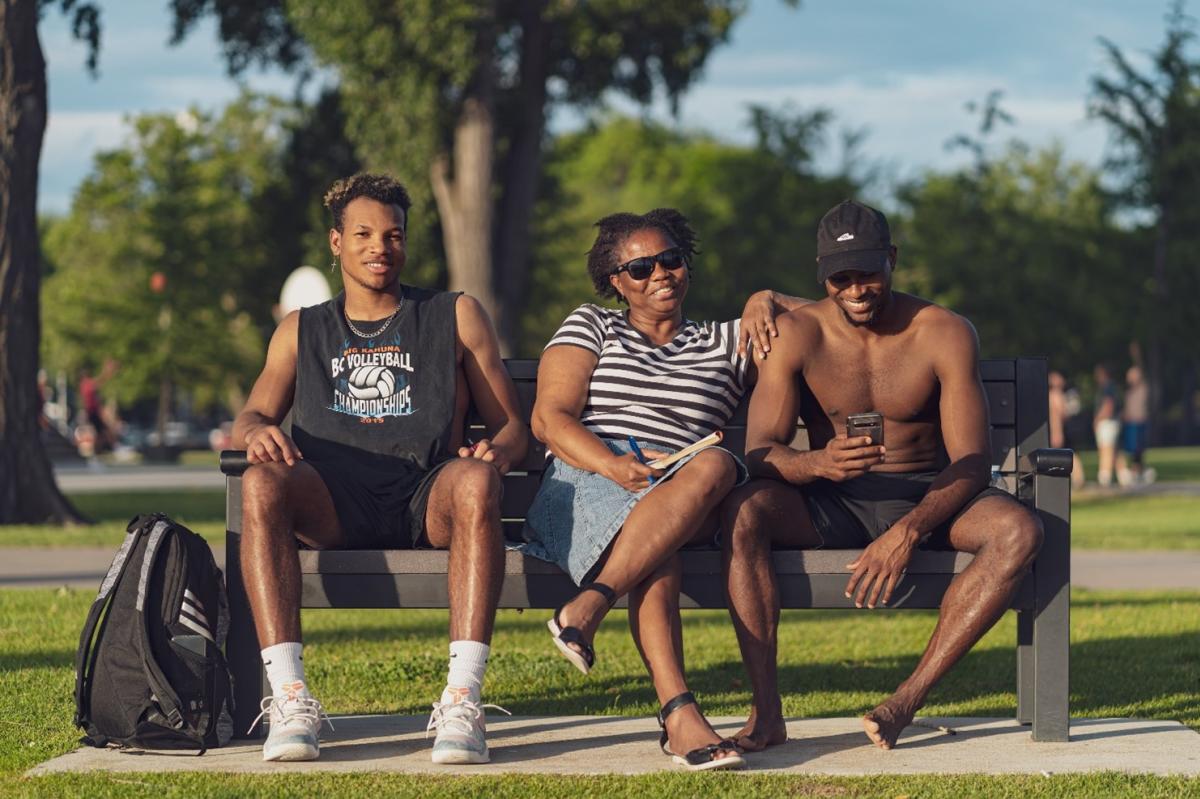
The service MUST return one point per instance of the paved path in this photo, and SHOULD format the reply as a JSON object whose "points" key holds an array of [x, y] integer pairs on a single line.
{"points": [[40, 567], [1166, 487], [623, 745], [97, 479]]}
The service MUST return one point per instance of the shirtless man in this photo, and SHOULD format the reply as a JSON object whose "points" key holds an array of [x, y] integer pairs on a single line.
{"points": [[867, 348], [378, 381]]}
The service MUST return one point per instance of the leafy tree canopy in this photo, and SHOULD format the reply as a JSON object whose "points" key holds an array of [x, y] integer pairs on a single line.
{"points": [[1023, 245], [181, 201], [755, 209]]}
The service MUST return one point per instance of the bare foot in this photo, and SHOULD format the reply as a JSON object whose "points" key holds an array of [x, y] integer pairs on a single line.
{"points": [[884, 724], [758, 733]]}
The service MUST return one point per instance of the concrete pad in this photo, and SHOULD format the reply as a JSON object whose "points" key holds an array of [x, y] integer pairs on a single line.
{"points": [[624, 745]]}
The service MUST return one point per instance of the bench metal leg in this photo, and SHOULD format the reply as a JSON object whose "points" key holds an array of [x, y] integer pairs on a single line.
{"points": [[242, 654], [1025, 670], [1052, 618]]}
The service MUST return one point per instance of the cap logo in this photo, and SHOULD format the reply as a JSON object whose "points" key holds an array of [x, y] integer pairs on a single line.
{"points": [[845, 237]]}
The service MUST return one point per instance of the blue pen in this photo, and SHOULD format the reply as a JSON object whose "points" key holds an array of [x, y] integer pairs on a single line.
{"points": [[638, 452]]}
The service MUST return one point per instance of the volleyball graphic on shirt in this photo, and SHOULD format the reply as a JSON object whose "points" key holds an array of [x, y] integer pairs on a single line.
{"points": [[372, 382]]}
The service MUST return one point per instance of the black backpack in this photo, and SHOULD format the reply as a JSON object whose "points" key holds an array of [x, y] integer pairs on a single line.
{"points": [[150, 672]]}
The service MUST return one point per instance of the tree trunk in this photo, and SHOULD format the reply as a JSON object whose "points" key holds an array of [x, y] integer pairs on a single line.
{"points": [[523, 165], [28, 493], [1187, 429], [1154, 354], [464, 194], [164, 409]]}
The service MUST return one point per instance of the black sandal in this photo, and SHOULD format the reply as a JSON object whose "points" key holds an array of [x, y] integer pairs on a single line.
{"points": [[704, 758], [585, 657]]}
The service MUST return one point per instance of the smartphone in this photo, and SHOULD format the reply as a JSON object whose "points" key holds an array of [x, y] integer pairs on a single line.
{"points": [[865, 424]]}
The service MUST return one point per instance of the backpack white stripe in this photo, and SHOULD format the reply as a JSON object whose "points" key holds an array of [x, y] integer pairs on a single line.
{"points": [[191, 610], [187, 594], [191, 625]]}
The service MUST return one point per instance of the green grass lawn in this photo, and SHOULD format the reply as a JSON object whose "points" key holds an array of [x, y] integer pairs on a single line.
{"points": [[201, 510], [1133, 654], [1136, 522], [1172, 463]]}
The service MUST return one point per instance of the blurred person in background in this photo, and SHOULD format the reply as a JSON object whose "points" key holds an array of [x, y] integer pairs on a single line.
{"points": [[92, 404], [44, 391], [1061, 409], [1135, 414], [1106, 423]]}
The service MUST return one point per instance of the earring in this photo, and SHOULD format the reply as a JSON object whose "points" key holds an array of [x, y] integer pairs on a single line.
{"points": [[333, 265]]}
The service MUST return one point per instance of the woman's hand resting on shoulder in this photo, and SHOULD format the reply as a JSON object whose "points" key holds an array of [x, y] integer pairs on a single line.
{"points": [[758, 324]]}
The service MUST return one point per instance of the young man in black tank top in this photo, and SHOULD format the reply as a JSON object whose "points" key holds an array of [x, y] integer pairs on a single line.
{"points": [[378, 381]]}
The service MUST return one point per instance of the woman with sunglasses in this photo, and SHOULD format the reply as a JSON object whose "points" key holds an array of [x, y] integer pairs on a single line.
{"points": [[617, 390]]}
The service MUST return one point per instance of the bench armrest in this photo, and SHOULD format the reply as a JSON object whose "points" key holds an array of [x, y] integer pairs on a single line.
{"points": [[234, 462], [1054, 462]]}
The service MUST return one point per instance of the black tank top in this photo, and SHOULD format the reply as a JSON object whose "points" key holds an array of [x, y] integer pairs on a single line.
{"points": [[384, 402]]}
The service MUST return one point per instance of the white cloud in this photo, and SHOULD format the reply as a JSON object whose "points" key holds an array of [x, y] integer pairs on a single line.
{"points": [[76, 134], [909, 116], [72, 140], [177, 92], [769, 67]]}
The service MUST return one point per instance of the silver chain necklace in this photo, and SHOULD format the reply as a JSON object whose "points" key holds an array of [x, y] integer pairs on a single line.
{"points": [[382, 328]]}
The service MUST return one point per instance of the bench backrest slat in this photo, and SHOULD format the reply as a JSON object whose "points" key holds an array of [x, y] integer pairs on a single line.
{"points": [[1015, 389]]}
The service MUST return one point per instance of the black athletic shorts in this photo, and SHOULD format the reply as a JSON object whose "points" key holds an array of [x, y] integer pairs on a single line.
{"points": [[853, 513], [379, 509]]}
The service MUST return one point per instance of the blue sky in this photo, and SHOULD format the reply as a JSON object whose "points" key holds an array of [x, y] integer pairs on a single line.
{"points": [[901, 69]]}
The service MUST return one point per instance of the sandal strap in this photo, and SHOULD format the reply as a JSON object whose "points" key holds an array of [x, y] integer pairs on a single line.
{"points": [[573, 635], [684, 699], [603, 590], [705, 754]]}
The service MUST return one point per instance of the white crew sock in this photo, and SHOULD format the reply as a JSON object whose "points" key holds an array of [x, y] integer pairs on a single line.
{"points": [[468, 661], [285, 668]]}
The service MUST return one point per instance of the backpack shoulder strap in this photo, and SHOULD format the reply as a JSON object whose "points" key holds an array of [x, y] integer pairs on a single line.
{"points": [[83, 655], [167, 698]]}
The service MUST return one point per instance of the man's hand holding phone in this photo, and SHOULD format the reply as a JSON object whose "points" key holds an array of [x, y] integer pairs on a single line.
{"points": [[853, 453]]}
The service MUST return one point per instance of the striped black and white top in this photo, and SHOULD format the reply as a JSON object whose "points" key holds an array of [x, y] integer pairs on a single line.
{"points": [[668, 396]]}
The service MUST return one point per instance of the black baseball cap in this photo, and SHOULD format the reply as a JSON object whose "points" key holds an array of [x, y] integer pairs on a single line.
{"points": [[852, 236]]}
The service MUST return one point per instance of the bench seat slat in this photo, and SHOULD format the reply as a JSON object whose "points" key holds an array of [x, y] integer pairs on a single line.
{"points": [[707, 562], [545, 591]]}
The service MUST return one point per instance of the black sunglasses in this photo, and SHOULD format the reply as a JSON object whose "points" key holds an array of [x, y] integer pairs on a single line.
{"points": [[642, 268]]}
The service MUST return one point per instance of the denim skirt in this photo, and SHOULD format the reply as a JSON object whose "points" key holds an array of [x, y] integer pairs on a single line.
{"points": [[577, 513]]}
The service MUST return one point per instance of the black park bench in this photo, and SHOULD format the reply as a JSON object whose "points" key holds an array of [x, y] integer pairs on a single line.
{"points": [[1024, 466]]}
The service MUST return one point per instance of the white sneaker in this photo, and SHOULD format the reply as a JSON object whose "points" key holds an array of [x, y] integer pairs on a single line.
{"points": [[460, 730], [295, 725]]}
